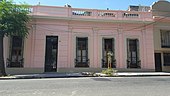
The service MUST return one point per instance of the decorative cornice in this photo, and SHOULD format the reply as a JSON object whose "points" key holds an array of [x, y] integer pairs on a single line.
{"points": [[89, 20]]}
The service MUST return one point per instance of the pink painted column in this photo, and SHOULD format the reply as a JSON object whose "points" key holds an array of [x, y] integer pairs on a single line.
{"points": [[150, 48], [143, 49], [95, 49], [120, 49], [69, 48], [33, 45]]}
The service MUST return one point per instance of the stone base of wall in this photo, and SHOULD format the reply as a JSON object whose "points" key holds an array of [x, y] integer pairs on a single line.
{"points": [[14, 71], [100, 69], [166, 68]]}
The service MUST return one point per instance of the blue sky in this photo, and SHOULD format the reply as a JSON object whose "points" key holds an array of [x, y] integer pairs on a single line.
{"points": [[92, 4]]}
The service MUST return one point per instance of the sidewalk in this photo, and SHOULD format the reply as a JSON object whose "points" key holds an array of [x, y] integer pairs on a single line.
{"points": [[71, 75], [43, 75], [143, 74]]}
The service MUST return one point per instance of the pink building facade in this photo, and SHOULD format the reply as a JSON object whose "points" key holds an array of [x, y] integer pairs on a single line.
{"points": [[65, 39]]}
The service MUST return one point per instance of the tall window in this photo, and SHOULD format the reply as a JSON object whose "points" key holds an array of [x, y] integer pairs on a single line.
{"points": [[165, 39], [16, 52], [166, 59], [81, 52], [133, 53]]}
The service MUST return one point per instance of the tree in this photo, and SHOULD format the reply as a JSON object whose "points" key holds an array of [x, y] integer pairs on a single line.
{"points": [[13, 22]]}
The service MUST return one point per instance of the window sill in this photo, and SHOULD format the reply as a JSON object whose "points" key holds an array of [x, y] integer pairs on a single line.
{"points": [[14, 67], [81, 65], [165, 46], [166, 64]]}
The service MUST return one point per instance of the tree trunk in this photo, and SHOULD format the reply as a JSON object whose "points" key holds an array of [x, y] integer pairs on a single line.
{"points": [[2, 65]]}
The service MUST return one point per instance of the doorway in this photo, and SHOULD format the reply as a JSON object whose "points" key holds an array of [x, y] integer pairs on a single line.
{"points": [[108, 46], [51, 53], [158, 62]]}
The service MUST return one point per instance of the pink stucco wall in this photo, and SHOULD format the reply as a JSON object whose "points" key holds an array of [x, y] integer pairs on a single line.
{"points": [[95, 32], [59, 21]]}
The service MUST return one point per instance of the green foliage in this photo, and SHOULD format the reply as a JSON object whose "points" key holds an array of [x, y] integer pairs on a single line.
{"points": [[13, 19], [109, 72], [13, 22]]}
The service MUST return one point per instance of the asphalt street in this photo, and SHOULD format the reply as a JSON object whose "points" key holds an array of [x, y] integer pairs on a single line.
{"points": [[96, 86]]}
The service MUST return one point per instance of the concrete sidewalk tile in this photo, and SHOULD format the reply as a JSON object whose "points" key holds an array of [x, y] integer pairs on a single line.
{"points": [[68, 75]]}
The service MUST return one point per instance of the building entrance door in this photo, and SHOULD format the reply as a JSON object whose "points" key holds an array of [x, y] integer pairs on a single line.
{"points": [[51, 53], [158, 64], [108, 46]]}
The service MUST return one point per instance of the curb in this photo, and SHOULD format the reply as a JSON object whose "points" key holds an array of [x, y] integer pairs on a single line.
{"points": [[142, 74], [39, 76]]}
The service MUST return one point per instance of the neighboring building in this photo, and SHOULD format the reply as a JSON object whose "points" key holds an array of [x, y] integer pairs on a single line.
{"points": [[65, 39], [161, 15], [139, 8]]}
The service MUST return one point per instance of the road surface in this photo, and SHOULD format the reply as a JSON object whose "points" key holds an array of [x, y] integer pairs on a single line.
{"points": [[98, 86]]}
